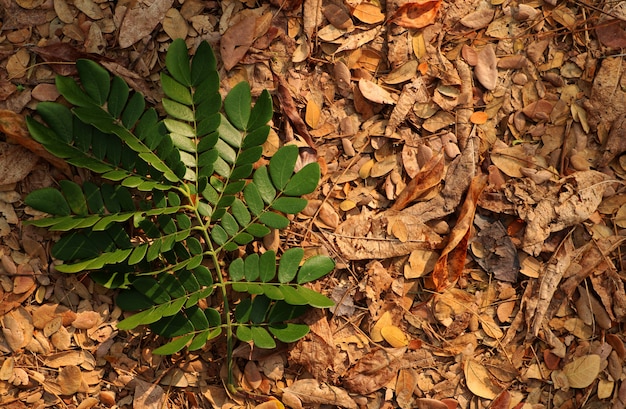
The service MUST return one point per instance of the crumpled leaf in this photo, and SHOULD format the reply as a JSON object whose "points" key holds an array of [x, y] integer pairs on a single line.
{"points": [[416, 14], [452, 260], [17, 328], [366, 237], [311, 391], [140, 21], [374, 370]]}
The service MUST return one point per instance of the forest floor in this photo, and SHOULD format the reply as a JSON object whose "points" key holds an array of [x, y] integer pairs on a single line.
{"points": [[472, 196]]}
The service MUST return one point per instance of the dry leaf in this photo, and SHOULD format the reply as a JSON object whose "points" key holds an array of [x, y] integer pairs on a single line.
{"points": [[416, 14], [374, 370], [311, 391], [236, 41], [429, 176], [405, 385], [69, 379], [148, 395], [479, 117], [375, 92], [582, 371], [337, 16], [313, 112], [478, 19], [174, 24], [394, 336], [478, 380], [17, 328], [139, 22], [368, 13], [486, 67]]}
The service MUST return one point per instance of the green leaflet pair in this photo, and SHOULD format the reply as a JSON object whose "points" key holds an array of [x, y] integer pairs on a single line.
{"points": [[174, 198]]}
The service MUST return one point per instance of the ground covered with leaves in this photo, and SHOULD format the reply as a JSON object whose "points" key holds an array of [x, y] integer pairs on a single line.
{"points": [[472, 197]]}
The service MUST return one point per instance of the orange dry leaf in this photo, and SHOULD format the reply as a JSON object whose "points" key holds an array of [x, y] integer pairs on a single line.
{"points": [[417, 14], [428, 177], [368, 13], [450, 264], [479, 118]]}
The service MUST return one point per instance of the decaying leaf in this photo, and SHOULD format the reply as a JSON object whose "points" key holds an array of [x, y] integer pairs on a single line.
{"points": [[311, 391], [416, 14], [452, 260], [367, 237], [141, 20], [236, 41], [368, 13], [374, 370]]}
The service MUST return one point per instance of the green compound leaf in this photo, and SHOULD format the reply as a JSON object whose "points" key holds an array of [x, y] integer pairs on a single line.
{"points": [[289, 332], [173, 346], [262, 338], [48, 200], [282, 165], [177, 62], [237, 105], [94, 79], [289, 263], [305, 181], [314, 268], [262, 111]]}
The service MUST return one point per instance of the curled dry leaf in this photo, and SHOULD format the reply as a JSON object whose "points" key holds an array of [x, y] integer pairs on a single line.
{"points": [[311, 391], [416, 14], [486, 67]]}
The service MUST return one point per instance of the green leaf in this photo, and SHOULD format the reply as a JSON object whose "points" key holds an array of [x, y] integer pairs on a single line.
{"points": [[289, 332], [289, 263], [305, 181], [95, 80], [244, 333], [313, 298], [274, 220], [178, 110], [175, 90], [282, 165], [174, 346], [260, 308], [236, 270], [203, 62], [289, 205], [251, 267], [264, 185], [314, 268], [292, 296], [262, 111], [177, 62], [262, 338], [48, 200], [72, 92], [267, 266], [118, 96], [237, 105]]}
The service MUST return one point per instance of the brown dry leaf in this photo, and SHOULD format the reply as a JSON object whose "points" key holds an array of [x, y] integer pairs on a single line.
{"points": [[429, 176], [365, 237], [359, 39], [416, 14], [478, 380], [140, 21], [374, 370], [90, 8], [486, 67], [15, 162], [450, 265], [29, 4], [236, 41], [288, 106], [337, 16], [582, 371], [17, 328], [412, 93], [311, 391], [70, 379], [478, 19], [405, 385], [86, 320], [375, 92], [17, 63], [511, 160], [612, 33], [147, 395], [368, 13], [175, 25]]}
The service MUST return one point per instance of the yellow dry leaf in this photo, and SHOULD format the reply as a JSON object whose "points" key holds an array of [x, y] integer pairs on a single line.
{"points": [[384, 321], [419, 45], [421, 262], [368, 13], [490, 327], [313, 113], [366, 169], [582, 371], [605, 388], [394, 336], [478, 380]]}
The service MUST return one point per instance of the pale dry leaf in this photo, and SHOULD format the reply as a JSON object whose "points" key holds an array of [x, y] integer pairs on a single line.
{"points": [[365, 237], [252, 375], [359, 39], [413, 93], [312, 16], [478, 380], [486, 67], [140, 21], [86, 320], [404, 72], [6, 371], [29, 4], [175, 25], [582, 371], [512, 159], [90, 8], [147, 395], [375, 93], [478, 19], [63, 11], [311, 391], [65, 358], [421, 262], [17, 328]]}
